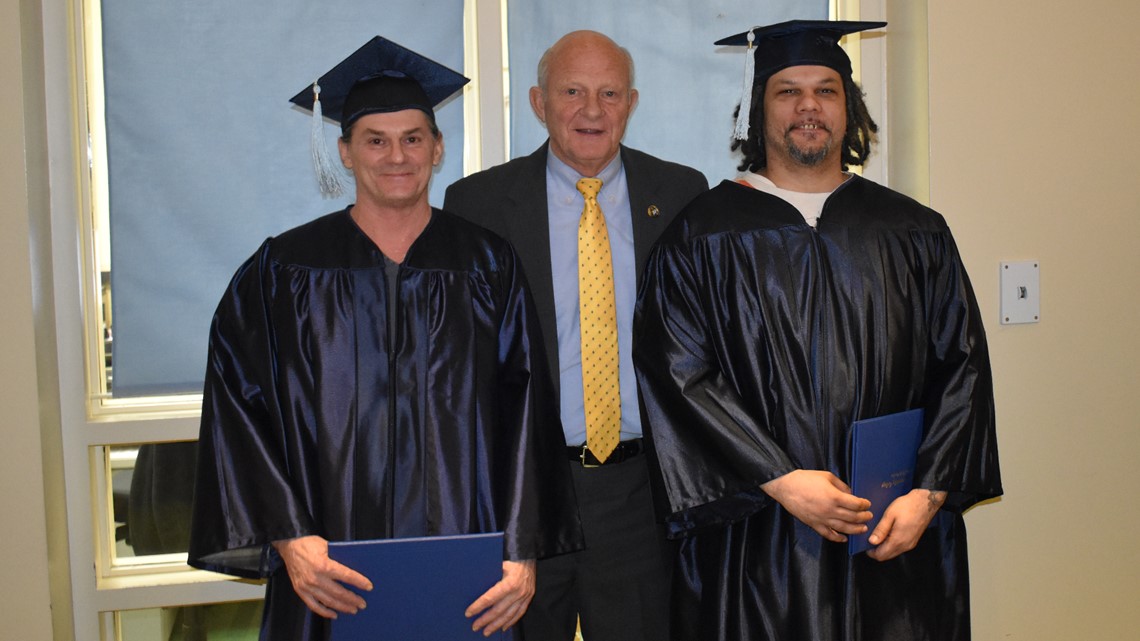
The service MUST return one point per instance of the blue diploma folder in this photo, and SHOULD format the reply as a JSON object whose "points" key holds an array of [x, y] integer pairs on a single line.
{"points": [[420, 587], [883, 452]]}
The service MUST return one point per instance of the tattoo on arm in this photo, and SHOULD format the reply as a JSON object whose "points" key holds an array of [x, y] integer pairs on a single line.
{"points": [[936, 499]]}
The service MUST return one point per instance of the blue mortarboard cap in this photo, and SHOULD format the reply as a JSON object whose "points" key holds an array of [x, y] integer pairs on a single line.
{"points": [[379, 77], [790, 44]]}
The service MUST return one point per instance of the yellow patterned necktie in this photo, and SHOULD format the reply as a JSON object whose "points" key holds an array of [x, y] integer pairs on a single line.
{"points": [[598, 320]]}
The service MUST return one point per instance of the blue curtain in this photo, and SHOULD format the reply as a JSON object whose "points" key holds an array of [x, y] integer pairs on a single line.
{"points": [[688, 87], [207, 157]]}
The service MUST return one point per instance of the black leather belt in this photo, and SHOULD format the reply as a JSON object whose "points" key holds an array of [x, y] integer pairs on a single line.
{"points": [[623, 452]]}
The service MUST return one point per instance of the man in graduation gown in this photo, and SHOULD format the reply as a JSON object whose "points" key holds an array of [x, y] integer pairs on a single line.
{"points": [[779, 308], [377, 373]]}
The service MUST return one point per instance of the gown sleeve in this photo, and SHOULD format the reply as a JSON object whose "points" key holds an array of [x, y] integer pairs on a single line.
{"points": [[243, 498], [959, 450], [535, 496], [710, 453]]}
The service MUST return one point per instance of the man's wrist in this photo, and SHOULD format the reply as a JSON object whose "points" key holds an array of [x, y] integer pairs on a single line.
{"points": [[774, 487], [935, 499]]}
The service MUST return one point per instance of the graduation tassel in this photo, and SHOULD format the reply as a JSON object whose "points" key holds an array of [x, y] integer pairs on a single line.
{"points": [[740, 132], [328, 172]]}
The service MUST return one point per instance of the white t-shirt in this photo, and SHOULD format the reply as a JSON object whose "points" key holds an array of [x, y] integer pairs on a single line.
{"points": [[810, 205]]}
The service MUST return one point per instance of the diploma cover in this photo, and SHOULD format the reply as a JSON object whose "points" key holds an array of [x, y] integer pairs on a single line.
{"points": [[883, 452], [420, 586]]}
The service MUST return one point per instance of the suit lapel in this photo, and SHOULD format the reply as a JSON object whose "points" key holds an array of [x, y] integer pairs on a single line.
{"points": [[529, 223], [647, 221]]}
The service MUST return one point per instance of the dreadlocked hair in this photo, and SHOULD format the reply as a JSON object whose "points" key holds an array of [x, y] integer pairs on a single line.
{"points": [[861, 129]]}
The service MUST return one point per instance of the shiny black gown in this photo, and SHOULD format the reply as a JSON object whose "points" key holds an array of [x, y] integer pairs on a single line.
{"points": [[758, 341], [314, 422]]}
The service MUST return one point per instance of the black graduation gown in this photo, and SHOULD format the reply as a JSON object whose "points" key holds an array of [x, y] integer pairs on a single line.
{"points": [[758, 341], [313, 424]]}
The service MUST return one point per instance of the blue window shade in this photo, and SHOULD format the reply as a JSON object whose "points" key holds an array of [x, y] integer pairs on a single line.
{"points": [[688, 87], [207, 158]]}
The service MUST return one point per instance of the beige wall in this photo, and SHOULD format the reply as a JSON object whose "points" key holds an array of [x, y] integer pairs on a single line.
{"points": [[24, 592], [1034, 138]]}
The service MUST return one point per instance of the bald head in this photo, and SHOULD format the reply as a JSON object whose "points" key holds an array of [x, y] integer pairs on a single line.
{"points": [[577, 41]]}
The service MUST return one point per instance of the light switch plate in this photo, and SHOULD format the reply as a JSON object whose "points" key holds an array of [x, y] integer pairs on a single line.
{"points": [[1020, 292]]}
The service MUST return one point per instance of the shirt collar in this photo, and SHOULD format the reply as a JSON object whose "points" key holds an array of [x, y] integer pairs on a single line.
{"points": [[567, 175]]}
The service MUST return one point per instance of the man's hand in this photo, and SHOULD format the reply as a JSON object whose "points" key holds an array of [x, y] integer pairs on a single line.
{"points": [[317, 578], [822, 501], [505, 603], [903, 523]]}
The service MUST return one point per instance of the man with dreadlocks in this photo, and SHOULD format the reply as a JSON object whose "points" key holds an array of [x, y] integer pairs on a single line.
{"points": [[778, 309]]}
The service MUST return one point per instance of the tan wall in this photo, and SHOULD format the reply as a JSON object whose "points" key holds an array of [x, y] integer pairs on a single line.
{"points": [[24, 593], [1034, 137]]}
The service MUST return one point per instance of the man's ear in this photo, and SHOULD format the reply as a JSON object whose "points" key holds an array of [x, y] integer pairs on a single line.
{"points": [[538, 104], [342, 146]]}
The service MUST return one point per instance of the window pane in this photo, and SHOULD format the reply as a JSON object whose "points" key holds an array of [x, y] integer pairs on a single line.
{"points": [[152, 488], [213, 622], [206, 157], [688, 87]]}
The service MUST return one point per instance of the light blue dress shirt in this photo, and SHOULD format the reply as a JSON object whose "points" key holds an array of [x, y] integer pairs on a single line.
{"points": [[564, 204]]}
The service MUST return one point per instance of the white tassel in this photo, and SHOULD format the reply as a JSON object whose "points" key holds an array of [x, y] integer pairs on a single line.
{"points": [[740, 132], [328, 171]]}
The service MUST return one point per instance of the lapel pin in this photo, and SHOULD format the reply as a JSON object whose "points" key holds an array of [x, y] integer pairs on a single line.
{"points": [[653, 211]]}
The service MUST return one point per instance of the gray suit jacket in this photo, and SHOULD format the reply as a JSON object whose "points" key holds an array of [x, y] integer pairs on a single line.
{"points": [[510, 200]]}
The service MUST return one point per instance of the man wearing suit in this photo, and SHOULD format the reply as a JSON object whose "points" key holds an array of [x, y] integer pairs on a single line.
{"points": [[619, 585]]}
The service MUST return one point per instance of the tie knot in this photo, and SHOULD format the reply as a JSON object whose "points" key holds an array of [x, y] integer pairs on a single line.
{"points": [[589, 187]]}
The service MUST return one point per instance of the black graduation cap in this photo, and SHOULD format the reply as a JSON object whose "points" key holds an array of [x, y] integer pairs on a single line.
{"points": [[800, 42], [789, 44], [379, 77]]}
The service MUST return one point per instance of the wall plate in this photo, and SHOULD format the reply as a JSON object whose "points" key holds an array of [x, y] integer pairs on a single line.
{"points": [[1020, 292]]}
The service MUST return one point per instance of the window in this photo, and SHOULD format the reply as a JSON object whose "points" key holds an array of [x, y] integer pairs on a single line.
{"points": [[239, 621], [197, 157]]}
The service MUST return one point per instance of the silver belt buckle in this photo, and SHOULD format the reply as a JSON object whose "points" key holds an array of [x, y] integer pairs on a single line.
{"points": [[582, 457]]}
